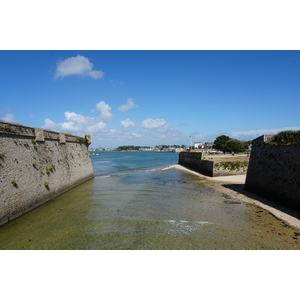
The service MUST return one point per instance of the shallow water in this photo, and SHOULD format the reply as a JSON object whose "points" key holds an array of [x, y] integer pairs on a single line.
{"points": [[133, 204]]}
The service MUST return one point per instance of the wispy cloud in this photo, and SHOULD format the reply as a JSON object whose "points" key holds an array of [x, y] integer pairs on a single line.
{"points": [[247, 135], [10, 118], [126, 124], [185, 125], [150, 123], [78, 65], [130, 105], [116, 83], [252, 134]]}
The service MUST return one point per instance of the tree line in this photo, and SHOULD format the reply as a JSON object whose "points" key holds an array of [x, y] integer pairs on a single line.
{"points": [[226, 144], [131, 148], [222, 143], [137, 148], [169, 146]]}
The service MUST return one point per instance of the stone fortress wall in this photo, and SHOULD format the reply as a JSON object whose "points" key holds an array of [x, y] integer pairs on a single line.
{"points": [[214, 165], [37, 165], [274, 172]]}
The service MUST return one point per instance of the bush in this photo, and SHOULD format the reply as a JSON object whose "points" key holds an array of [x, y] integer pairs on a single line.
{"points": [[232, 165], [288, 137]]}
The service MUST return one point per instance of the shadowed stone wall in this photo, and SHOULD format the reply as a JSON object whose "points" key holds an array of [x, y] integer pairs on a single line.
{"points": [[37, 165], [274, 172]]}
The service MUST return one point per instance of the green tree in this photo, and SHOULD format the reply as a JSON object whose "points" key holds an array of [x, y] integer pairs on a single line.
{"points": [[220, 141], [247, 144], [233, 145]]}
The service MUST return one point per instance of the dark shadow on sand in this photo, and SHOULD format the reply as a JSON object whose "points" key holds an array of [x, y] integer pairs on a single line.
{"points": [[239, 188]]}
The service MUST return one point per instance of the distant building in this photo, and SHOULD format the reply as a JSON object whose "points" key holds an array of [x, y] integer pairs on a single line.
{"points": [[198, 145], [208, 145]]}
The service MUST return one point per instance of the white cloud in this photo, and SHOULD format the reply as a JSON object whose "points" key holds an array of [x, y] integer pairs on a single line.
{"points": [[153, 124], [126, 123], [130, 105], [49, 124], [98, 127], [137, 135], [79, 124], [105, 111], [10, 118], [78, 65], [69, 126], [76, 124]]}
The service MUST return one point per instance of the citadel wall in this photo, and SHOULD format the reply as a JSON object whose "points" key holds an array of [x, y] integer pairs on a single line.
{"points": [[37, 165], [213, 167], [274, 172]]}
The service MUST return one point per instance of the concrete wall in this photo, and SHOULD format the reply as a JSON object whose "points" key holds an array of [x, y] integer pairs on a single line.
{"points": [[213, 168], [274, 172], [37, 165]]}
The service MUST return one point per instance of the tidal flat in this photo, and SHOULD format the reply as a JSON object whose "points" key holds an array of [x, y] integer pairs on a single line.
{"points": [[176, 212], [136, 203]]}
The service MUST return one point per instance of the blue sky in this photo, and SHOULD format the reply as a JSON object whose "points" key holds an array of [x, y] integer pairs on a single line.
{"points": [[152, 97]]}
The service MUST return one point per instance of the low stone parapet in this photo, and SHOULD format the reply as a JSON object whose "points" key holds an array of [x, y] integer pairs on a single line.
{"points": [[215, 165]]}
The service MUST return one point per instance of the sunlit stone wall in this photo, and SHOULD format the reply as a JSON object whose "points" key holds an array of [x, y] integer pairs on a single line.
{"points": [[37, 165], [213, 167]]}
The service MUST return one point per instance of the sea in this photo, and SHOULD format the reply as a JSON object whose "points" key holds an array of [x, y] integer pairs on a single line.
{"points": [[136, 201]]}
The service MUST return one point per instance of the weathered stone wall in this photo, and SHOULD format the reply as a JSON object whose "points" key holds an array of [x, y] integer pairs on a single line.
{"points": [[191, 159], [37, 165], [229, 168], [215, 167], [274, 172]]}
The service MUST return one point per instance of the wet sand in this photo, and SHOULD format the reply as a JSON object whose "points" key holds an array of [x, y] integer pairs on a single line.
{"points": [[147, 210], [268, 216]]}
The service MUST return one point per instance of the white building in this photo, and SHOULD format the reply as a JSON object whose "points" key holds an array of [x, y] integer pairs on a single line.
{"points": [[198, 145]]}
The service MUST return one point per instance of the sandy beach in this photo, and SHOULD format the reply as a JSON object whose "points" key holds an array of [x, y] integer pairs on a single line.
{"points": [[234, 186]]}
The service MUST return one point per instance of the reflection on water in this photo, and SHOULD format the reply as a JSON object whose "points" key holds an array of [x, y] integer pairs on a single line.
{"points": [[139, 209]]}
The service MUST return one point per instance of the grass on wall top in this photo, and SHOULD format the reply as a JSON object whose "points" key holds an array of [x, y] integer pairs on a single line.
{"points": [[288, 137]]}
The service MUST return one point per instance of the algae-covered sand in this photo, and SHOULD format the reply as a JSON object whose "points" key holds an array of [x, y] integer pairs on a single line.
{"points": [[266, 215]]}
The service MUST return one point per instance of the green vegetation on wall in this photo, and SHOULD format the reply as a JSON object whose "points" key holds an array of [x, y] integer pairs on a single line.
{"points": [[284, 138], [232, 165]]}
